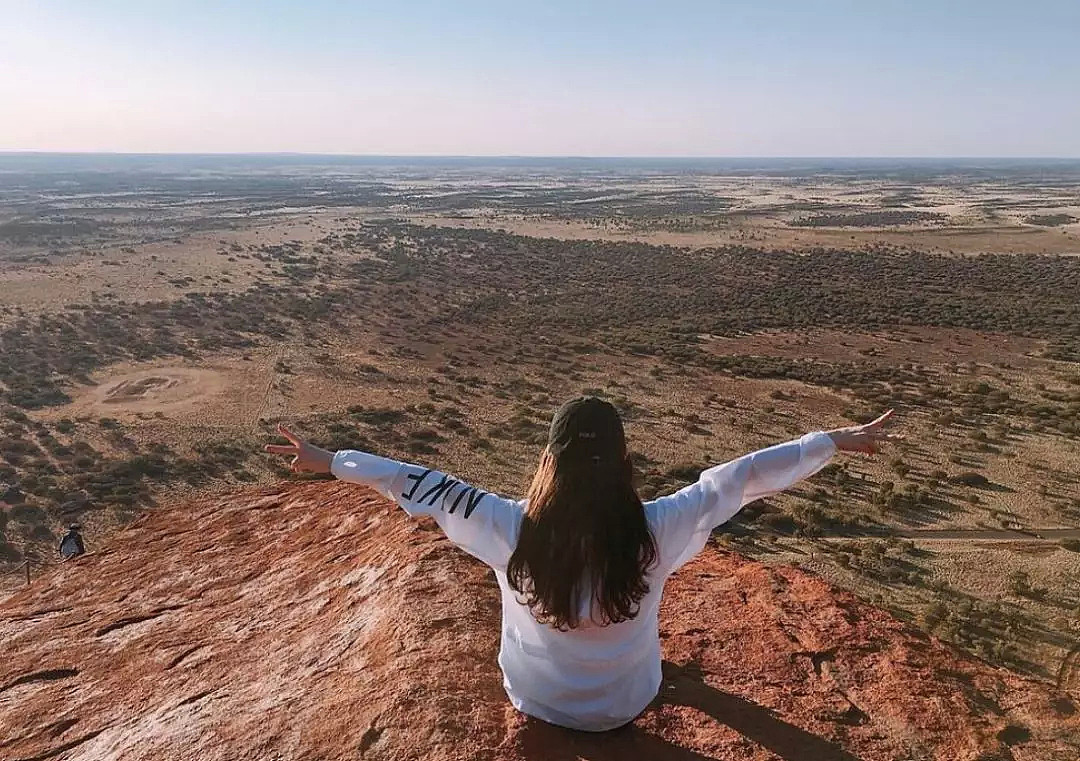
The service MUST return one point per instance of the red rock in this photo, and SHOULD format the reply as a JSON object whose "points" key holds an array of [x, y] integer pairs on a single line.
{"points": [[318, 622]]}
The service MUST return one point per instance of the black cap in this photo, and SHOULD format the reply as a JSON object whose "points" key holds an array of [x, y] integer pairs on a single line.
{"points": [[587, 427]]}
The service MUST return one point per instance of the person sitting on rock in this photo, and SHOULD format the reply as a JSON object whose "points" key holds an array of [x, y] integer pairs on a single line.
{"points": [[71, 544], [581, 562]]}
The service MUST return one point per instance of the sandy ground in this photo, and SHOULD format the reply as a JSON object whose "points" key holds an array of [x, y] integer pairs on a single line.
{"points": [[972, 240], [137, 271]]}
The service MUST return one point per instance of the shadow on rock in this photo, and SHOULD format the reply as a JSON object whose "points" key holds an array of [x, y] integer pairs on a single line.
{"points": [[682, 686]]}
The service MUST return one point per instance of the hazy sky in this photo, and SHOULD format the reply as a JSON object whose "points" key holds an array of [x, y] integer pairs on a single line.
{"points": [[552, 77]]}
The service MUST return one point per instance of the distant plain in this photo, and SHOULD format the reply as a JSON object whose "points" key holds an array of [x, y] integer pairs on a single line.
{"points": [[158, 315]]}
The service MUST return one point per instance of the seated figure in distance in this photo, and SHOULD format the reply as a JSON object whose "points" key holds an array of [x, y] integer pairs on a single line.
{"points": [[71, 544]]}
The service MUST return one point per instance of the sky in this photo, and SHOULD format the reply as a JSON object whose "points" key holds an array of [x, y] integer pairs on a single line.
{"points": [[541, 78]]}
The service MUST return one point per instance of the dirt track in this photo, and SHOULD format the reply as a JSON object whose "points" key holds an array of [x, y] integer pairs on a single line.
{"points": [[942, 534]]}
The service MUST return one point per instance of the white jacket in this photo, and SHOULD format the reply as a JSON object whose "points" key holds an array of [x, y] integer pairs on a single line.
{"points": [[593, 677]]}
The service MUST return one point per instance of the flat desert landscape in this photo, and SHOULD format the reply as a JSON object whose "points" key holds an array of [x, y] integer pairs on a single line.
{"points": [[159, 316]]}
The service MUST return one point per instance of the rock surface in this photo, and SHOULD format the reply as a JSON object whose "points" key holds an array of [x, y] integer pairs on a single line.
{"points": [[316, 621]]}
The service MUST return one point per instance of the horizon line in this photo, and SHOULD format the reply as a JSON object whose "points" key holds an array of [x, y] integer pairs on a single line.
{"points": [[681, 157]]}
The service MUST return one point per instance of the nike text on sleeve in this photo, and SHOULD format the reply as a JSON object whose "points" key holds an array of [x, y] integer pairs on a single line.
{"points": [[483, 524]]}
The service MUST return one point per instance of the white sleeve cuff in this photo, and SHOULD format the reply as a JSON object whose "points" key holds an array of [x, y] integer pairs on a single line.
{"points": [[363, 468], [819, 445]]}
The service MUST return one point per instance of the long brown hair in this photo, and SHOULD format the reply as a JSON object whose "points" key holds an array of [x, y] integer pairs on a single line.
{"points": [[584, 524]]}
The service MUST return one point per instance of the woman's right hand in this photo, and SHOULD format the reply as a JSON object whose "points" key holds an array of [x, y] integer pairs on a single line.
{"points": [[306, 458], [863, 438]]}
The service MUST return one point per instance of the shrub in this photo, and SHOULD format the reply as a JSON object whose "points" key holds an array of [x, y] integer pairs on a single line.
{"points": [[42, 533], [780, 522], [425, 434], [9, 552], [970, 478], [1021, 585], [29, 514]]}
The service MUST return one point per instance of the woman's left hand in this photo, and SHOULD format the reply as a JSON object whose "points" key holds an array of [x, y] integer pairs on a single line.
{"points": [[864, 438]]}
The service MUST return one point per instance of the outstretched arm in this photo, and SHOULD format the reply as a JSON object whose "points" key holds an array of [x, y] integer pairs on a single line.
{"points": [[483, 524], [684, 520]]}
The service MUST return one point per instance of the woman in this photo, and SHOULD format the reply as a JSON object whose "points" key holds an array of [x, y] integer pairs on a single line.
{"points": [[581, 562]]}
